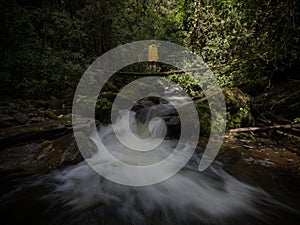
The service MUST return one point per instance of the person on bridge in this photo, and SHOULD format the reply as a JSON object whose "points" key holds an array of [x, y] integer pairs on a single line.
{"points": [[152, 57]]}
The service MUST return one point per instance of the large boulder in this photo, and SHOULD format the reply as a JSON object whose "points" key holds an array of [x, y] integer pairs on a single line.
{"points": [[237, 107]]}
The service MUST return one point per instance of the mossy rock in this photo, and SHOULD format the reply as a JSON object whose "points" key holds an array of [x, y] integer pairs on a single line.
{"points": [[103, 110], [41, 156], [237, 107], [21, 118], [104, 106], [204, 116], [50, 114], [146, 102]]}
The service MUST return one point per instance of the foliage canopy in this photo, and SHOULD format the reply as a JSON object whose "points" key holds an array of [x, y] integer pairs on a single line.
{"points": [[47, 45]]}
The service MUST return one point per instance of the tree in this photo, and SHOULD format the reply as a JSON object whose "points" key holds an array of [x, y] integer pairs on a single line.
{"points": [[255, 39]]}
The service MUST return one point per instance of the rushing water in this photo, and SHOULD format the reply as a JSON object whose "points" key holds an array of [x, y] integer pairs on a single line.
{"points": [[78, 195]]}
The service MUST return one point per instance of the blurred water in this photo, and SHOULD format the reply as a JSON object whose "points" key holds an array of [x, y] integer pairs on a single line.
{"points": [[212, 197], [78, 195]]}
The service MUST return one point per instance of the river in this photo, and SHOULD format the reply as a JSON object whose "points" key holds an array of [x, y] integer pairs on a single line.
{"points": [[78, 195]]}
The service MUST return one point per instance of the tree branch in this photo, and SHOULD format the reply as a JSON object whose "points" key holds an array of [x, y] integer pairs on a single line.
{"points": [[275, 127]]}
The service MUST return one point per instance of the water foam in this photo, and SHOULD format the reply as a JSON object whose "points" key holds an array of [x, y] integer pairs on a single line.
{"points": [[210, 197]]}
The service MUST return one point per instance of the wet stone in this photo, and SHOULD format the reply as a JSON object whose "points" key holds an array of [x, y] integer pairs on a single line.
{"points": [[21, 118]]}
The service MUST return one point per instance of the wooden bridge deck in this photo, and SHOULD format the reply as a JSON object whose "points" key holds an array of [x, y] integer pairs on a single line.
{"points": [[163, 74]]}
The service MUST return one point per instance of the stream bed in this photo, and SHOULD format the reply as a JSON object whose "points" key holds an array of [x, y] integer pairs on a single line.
{"points": [[233, 190], [46, 181]]}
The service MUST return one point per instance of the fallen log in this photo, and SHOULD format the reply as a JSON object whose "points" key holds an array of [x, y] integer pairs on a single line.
{"points": [[274, 127], [168, 73]]}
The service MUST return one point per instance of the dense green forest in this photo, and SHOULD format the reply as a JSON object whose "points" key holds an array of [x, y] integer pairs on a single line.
{"points": [[68, 160], [47, 45]]}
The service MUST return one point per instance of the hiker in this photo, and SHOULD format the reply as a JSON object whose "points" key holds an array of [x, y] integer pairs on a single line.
{"points": [[152, 57]]}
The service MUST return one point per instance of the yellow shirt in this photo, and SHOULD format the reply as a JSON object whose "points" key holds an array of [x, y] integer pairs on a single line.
{"points": [[152, 53]]}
